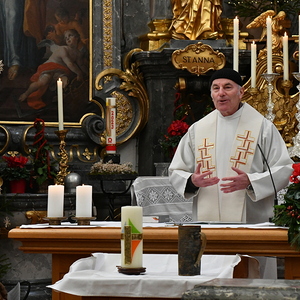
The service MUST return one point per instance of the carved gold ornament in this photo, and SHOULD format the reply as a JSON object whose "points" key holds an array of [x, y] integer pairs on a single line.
{"points": [[128, 119], [198, 59]]}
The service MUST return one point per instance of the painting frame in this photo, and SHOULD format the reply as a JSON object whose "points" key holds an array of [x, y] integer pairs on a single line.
{"points": [[92, 106]]}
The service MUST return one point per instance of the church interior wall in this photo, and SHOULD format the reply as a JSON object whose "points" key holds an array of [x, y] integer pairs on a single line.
{"points": [[142, 150]]}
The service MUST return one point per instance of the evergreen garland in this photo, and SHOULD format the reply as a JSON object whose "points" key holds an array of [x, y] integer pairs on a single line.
{"points": [[253, 8]]}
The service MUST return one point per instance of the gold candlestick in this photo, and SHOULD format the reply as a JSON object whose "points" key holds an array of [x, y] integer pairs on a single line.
{"points": [[63, 162]]}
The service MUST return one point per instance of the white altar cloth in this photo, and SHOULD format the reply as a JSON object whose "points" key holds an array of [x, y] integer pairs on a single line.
{"points": [[98, 276], [117, 224], [159, 198]]}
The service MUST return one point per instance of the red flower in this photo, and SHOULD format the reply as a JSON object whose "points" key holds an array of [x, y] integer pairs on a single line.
{"points": [[15, 161], [178, 128], [295, 177]]}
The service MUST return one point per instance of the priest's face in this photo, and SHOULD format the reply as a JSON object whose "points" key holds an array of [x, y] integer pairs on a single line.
{"points": [[226, 95]]}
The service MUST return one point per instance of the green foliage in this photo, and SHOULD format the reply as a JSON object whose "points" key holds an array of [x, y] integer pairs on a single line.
{"points": [[288, 214], [42, 166], [15, 167], [253, 8], [14, 173]]}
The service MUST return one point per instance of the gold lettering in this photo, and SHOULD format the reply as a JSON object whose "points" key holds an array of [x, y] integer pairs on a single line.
{"points": [[198, 59]]}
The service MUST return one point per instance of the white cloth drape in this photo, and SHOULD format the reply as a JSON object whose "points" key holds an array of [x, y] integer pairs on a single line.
{"points": [[98, 276]]}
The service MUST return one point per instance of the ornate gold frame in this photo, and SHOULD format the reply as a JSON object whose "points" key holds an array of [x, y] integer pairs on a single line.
{"points": [[91, 86]]}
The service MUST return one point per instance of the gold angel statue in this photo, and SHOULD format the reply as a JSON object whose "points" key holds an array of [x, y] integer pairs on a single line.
{"points": [[196, 19], [277, 27]]}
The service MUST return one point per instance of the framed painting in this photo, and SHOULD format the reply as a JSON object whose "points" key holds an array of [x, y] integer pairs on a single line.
{"points": [[42, 41]]}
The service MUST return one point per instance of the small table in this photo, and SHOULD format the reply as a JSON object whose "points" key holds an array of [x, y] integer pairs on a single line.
{"points": [[113, 194]]}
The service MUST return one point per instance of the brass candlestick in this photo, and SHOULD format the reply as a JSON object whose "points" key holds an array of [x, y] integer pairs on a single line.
{"points": [[63, 162]]}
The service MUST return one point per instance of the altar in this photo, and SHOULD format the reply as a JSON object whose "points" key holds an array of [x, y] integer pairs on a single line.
{"points": [[68, 242]]}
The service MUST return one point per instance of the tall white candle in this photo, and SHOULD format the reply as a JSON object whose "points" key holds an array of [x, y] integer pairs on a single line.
{"points": [[236, 44], [60, 105], [131, 228], [111, 125], [269, 45], [285, 47], [55, 207], [84, 196], [253, 64]]}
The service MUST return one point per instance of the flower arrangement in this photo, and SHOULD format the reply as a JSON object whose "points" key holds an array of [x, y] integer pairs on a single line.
{"points": [[288, 213], [176, 131], [15, 168], [109, 168]]}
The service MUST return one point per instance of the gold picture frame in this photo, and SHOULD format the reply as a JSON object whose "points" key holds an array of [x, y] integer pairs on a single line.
{"points": [[78, 95]]}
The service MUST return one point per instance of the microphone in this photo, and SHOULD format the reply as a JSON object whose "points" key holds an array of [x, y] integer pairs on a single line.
{"points": [[271, 176]]}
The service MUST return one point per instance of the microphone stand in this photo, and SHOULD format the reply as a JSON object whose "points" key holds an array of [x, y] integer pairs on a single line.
{"points": [[265, 160]]}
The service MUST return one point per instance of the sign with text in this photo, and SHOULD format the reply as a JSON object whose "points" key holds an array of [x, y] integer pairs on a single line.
{"points": [[198, 59]]}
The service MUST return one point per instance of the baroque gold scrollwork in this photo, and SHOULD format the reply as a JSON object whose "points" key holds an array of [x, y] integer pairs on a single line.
{"points": [[284, 104], [285, 109], [129, 119]]}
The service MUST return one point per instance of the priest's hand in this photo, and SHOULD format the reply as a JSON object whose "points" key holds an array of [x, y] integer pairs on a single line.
{"points": [[235, 183], [202, 179]]}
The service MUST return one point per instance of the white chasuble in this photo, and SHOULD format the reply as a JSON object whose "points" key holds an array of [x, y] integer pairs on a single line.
{"points": [[241, 138]]}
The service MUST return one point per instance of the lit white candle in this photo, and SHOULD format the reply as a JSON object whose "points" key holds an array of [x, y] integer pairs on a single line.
{"points": [[236, 44], [269, 45], [132, 220], [285, 46], [84, 196], [111, 125], [55, 208], [60, 105], [253, 64]]}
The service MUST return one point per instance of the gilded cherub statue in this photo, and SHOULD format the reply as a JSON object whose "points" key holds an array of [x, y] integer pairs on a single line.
{"points": [[277, 27], [196, 19]]}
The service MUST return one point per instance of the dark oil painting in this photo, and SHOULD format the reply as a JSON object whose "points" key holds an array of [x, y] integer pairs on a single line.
{"points": [[40, 42]]}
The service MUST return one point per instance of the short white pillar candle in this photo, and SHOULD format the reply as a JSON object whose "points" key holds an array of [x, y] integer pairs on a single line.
{"points": [[84, 196], [55, 208]]}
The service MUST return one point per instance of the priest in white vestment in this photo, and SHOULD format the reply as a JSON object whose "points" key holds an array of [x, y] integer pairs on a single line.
{"points": [[223, 159]]}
